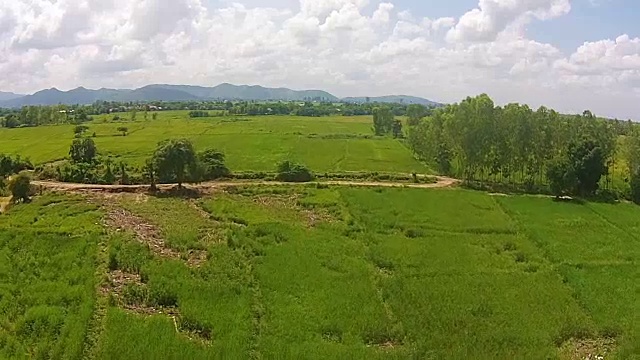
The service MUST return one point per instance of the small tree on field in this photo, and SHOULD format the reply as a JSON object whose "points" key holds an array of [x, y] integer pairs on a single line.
{"points": [[292, 172], [149, 170], [173, 159], [212, 165], [383, 120], [83, 151], [20, 186], [154, 116], [79, 130], [124, 130], [397, 129]]}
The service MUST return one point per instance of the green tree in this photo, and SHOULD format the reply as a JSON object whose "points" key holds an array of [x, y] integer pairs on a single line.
{"points": [[149, 171], [79, 130], [589, 166], [397, 129], [20, 187], [173, 159], [109, 177], [562, 180], [383, 120], [124, 130], [212, 165], [83, 151], [134, 114], [415, 113], [154, 116]]}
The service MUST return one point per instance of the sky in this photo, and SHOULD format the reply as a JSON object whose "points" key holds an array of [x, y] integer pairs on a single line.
{"points": [[570, 55]]}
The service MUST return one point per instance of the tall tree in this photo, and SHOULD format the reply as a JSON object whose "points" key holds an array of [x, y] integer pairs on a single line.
{"points": [[83, 151], [383, 119], [173, 159]]}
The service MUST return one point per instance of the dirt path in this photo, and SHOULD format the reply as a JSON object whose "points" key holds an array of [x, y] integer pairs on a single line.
{"points": [[442, 182]]}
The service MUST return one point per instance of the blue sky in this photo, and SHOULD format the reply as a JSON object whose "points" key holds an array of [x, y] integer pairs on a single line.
{"points": [[569, 55]]}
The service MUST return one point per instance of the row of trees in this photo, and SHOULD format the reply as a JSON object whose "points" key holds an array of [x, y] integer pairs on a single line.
{"points": [[77, 114], [478, 141], [45, 115]]}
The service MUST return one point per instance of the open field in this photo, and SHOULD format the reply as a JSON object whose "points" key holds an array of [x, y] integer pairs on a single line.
{"points": [[319, 273], [326, 144]]}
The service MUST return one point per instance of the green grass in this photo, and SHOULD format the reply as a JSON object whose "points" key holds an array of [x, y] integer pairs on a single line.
{"points": [[327, 144], [384, 274], [47, 285]]}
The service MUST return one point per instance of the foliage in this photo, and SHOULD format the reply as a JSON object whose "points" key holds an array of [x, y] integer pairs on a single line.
{"points": [[212, 165], [83, 151], [291, 172], [415, 113], [174, 159], [397, 129], [124, 130], [515, 144], [383, 120], [198, 114], [79, 130], [20, 187], [13, 165]]}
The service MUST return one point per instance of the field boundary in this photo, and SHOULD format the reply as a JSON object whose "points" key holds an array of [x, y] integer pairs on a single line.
{"points": [[441, 182]]}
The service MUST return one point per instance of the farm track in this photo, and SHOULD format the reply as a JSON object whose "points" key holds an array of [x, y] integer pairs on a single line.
{"points": [[442, 182]]}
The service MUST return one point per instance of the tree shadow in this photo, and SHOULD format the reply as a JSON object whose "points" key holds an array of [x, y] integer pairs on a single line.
{"points": [[176, 192]]}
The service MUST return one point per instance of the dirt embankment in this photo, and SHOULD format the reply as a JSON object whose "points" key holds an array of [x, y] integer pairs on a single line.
{"points": [[441, 182]]}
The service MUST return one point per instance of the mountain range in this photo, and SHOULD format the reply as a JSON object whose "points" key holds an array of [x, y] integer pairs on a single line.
{"points": [[163, 92]]}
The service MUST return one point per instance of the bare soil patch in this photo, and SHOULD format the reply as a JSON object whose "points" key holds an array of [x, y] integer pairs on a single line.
{"points": [[587, 349], [150, 235]]}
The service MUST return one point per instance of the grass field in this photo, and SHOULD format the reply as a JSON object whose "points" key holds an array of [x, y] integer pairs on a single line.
{"points": [[326, 144], [302, 272]]}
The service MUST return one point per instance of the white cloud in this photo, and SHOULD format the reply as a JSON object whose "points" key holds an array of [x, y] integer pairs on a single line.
{"points": [[491, 17], [349, 47]]}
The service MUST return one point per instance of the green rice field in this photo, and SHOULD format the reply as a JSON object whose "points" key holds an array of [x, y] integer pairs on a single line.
{"points": [[326, 144], [313, 272]]}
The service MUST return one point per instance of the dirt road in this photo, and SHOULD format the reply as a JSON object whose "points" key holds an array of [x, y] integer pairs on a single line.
{"points": [[442, 182]]}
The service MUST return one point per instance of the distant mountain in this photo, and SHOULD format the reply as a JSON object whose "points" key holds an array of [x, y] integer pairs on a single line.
{"points": [[164, 92], [395, 99], [4, 96], [153, 93], [246, 92]]}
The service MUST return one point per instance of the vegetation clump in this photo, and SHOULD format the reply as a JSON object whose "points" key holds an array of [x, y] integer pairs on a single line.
{"points": [[291, 172]]}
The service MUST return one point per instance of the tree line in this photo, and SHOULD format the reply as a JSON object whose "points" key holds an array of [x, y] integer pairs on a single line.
{"points": [[29, 116], [477, 141]]}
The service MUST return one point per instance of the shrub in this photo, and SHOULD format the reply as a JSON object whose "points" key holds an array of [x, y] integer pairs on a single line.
{"points": [[291, 172], [212, 165], [20, 187]]}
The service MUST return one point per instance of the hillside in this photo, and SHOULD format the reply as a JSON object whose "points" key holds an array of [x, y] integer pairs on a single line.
{"points": [[4, 96], [166, 92], [396, 99]]}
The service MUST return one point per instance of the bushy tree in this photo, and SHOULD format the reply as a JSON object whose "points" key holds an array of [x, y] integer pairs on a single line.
{"points": [[83, 151], [292, 172], [561, 177], [20, 187], [212, 165], [174, 159], [124, 130], [79, 130], [589, 165]]}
